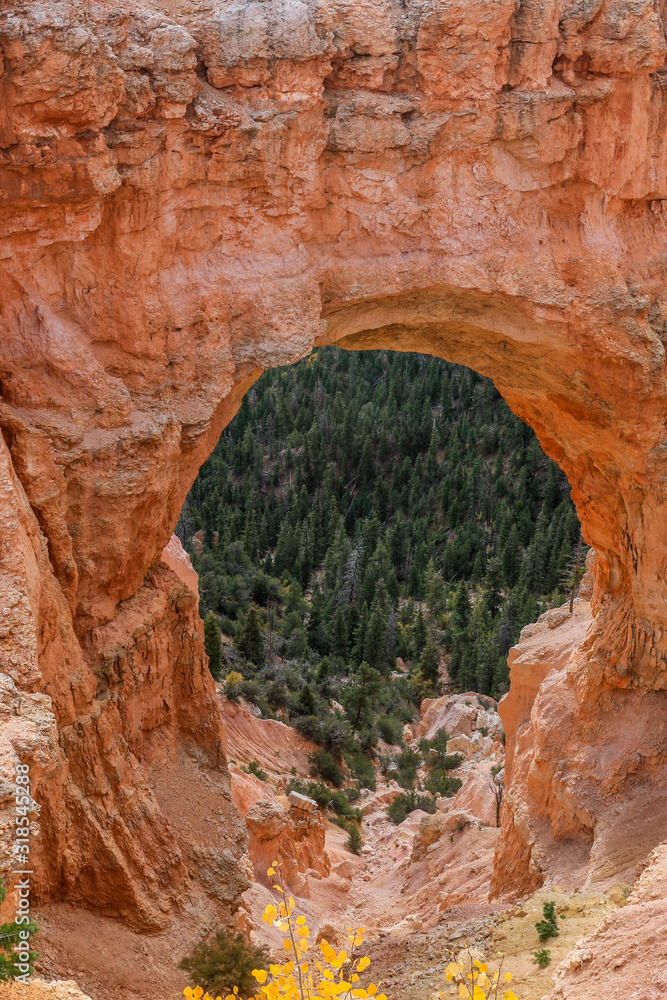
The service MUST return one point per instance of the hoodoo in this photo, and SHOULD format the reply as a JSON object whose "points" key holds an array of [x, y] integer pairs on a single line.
{"points": [[193, 192]]}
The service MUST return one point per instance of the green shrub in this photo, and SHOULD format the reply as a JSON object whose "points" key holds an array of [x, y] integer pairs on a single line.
{"points": [[298, 644], [227, 961], [450, 761], [340, 803], [362, 769], [367, 739], [277, 694], [337, 736], [11, 961], [309, 726], [406, 802], [542, 957], [227, 626], [254, 768], [407, 764], [251, 690], [391, 730], [326, 765], [315, 790], [548, 926], [438, 743], [355, 841], [441, 783]]}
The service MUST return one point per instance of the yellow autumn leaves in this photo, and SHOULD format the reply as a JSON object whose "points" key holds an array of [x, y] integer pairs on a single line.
{"points": [[335, 974], [478, 984]]}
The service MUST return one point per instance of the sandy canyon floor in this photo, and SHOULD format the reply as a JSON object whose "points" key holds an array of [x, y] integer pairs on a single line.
{"points": [[421, 888]]}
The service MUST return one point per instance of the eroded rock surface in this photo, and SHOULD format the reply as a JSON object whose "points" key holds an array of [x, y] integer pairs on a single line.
{"points": [[585, 779], [613, 958], [194, 192], [289, 831], [38, 989]]}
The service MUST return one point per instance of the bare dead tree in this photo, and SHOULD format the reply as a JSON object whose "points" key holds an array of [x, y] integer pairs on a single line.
{"points": [[497, 781]]}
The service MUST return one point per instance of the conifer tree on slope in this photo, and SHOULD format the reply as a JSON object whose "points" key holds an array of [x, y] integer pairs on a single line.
{"points": [[213, 645]]}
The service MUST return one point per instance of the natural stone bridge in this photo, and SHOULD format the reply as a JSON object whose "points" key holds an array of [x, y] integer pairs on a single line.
{"points": [[192, 192]]}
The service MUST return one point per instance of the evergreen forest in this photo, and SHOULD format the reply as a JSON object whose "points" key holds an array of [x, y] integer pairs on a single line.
{"points": [[373, 528]]}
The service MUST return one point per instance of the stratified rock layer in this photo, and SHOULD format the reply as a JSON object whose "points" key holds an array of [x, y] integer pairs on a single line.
{"points": [[194, 192], [586, 778]]}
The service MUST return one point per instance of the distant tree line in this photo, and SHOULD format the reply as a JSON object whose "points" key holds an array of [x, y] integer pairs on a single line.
{"points": [[367, 506]]}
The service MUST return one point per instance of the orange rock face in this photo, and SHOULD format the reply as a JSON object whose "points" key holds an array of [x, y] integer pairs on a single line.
{"points": [[193, 192], [291, 832], [610, 961], [585, 779]]}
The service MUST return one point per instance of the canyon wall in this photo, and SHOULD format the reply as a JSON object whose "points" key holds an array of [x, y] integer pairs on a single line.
{"points": [[586, 776], [192, 192]]}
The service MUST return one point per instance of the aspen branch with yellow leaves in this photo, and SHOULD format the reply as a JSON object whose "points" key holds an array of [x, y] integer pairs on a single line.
{"points": [[337, 974], [475, 982]]}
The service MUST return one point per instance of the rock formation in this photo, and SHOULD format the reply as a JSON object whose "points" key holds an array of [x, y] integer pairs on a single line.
{"points": [[586, 780], [289, 831], [273, 745], [196, 191], [613, 961]]}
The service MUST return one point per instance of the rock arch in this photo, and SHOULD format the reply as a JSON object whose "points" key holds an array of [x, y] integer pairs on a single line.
{"points": [[196, 192]]}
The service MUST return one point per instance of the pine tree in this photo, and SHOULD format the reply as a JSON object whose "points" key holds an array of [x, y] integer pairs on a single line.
{"points": [[349, 589], [338, 633], [307, 704], [249, 639], [375, 641], [431, 467], [512, 557], [467, 676], [250, 535], [381, 499], [366, 463], [357, 653], [461, 610], [213, 645], [317, 634], [419, 634], [285, 556], [360, 695], [552, 494], [398, 545], [435, 591], [429, 663]]}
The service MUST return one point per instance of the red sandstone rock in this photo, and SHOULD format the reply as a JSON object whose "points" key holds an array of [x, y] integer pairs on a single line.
{"points": [[613, 961], [275, 746], [247, 789], [292, 834], [292, 837], [584, 779], [477, 796], [459, 715], [177, 559]]}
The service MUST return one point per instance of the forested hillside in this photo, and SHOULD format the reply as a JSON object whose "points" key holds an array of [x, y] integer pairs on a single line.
{"points": [[368, 506]]}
